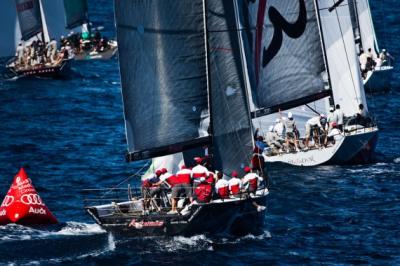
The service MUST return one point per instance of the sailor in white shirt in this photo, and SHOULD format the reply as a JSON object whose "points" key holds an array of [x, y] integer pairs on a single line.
{"points": [[199, 171], [235, 184], [313, 123], [279, 128]]}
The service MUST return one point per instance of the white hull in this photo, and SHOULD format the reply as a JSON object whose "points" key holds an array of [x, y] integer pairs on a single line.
{"points": [[108, 54], [344, 151], [379, 80]]}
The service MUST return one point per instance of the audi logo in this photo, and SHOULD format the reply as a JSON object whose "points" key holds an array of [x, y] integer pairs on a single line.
{"points": [[29, 199], [8, 200]]}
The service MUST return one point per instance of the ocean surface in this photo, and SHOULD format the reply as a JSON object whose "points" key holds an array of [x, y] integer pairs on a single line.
{"points": [[69, 135]]}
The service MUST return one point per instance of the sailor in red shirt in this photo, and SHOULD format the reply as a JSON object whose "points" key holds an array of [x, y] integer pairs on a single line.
{"points": [[172, 181], [198, 171], [251, 180], [222, 187], [184, 179], [235, 184], [203, 191]]}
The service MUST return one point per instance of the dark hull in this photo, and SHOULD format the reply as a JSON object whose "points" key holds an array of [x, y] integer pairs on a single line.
{"points": [[43, 72], [237, 217]]}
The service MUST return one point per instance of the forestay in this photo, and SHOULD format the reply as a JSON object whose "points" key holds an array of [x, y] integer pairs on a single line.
{"points": [[231, 126], [342, 58], [287, 54], [29, 17], [162, 59], [76, 12]]}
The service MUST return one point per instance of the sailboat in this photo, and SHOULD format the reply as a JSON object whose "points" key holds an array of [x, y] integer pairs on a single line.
{"points": [[53, 10], [305, 60], [76, 15], [33, 27], [379, 79], [184, 85]]}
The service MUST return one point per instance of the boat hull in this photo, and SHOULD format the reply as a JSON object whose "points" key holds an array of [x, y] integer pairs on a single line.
{"points": [[356, 147], [379, 80], [232, 216], [108, 54], [43, 72]]}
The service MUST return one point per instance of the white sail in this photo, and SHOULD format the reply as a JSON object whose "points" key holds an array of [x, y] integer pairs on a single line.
{"points": [[367, 31], [347, 86]]}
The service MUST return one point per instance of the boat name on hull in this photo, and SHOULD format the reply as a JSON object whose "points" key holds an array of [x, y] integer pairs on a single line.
{"points": [[143, 224]]}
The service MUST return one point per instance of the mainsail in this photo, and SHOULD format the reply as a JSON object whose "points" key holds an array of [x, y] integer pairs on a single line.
{"points": [[29, 17], [231, 125], [287, 53], [76, 12], [163, 75]]}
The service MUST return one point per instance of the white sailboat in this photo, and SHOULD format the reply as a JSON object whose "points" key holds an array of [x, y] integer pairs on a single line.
{"points": [[10, 31], [311, 67], [380, 78]]}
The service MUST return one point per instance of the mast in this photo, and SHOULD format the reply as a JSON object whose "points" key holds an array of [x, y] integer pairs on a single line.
{"points": [[208, 76], [332, 102]]}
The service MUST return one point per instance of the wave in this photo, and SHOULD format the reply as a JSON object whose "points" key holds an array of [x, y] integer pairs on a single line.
{"points": [[15, 232], [397, 160]]}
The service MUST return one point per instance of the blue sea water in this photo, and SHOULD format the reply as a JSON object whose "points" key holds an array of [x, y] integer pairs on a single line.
{"points": [[69, 134]]}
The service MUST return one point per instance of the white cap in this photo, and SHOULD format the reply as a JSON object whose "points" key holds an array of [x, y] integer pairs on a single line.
{"points": [[277, 120], [383, 50], [202, 179], [271, 128], [322, 115], [290, 115], [331, 108]]}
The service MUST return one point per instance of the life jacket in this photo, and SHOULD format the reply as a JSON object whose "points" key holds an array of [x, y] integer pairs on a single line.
{"points": [[183, 176], [203, 192]]}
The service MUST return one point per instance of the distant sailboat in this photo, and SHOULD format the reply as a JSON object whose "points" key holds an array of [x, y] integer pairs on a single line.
{"points": [[306, 61], [32, 23], [181, 62], [53, 10], [76, 15], [380, 78]]}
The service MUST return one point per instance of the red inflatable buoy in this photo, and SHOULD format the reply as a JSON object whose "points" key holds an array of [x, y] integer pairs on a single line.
{"points": [[23, 204]]}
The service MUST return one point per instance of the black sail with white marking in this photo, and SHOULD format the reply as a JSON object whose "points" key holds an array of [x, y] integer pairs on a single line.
{"points": [[286, 54], [232, 137], [29, 18], [162, 60], [76, 12]]}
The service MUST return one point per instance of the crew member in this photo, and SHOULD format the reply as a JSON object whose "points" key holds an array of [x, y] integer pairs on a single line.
{"points": [[171, 180], [235, 184], [203, 191], [339, 117], [222, 187], [198, 171], [251, 180], [183, 182], [290, 126], [331, 117], [312, 124], [20, 54]]}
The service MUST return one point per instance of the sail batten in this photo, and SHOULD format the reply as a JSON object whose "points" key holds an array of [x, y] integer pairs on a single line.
{"points": [[163, 75], [29, 18], [76, 13]]}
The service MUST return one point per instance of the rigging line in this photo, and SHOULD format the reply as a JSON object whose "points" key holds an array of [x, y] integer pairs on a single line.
{"points": [[345, 50], [312, 109], [125, 180]]}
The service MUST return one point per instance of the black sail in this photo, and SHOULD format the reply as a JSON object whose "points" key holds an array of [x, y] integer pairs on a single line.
{"points": [[29, 18], [76, 12], [232, 137], [286, 54], [162, 59]]}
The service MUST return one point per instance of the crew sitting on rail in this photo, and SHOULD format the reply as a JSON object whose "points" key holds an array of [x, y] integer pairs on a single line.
{"points": [[251, 180], [198, 171], [273, 139], [235, 184], [222, 186], [203, 191]]}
